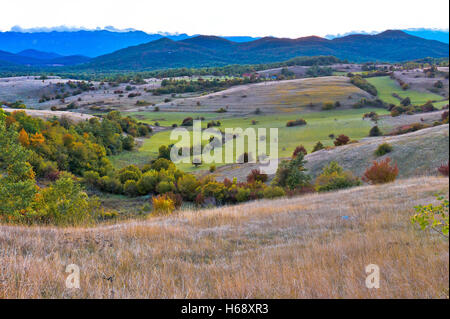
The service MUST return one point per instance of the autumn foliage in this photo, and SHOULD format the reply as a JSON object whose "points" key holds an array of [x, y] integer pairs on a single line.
{"points": [[381, 172]]}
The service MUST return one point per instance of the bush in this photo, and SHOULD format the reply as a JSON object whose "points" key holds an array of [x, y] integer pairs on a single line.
{"points": [[243, 194], [212, 168], [111, 185], [189, 121], [381, 172], [130, 188], [333, 177], [147, 183], [187, 185], [319, 146], [127, 175], [213, 189], [383, 149], [434, 217], [256, 176], [364, 85], [299, 149], [273, 192], [91, 178], [292, 174], [406, 101], [443, 169], [162, 163], [297, 122], [176, 199], [341, 140], [328, 106], [165, 187], [375, 131], [162, 205]]}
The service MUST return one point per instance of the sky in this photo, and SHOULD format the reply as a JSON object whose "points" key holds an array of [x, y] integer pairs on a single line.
{"points": [[280, 18]]}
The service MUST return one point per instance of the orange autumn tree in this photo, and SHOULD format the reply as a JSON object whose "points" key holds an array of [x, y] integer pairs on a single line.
{"points": [[23, 138], [37, 139]]}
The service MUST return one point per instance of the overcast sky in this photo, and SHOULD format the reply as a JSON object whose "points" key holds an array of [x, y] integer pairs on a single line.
{"points": [[281, 18]]}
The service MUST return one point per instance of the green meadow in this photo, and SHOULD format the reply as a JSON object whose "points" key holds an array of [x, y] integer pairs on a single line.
{"points": [[319, 126], [387, 86]]}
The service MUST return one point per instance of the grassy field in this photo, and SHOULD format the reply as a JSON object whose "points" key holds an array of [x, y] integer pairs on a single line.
{"points": [[320, 126], [289, 248], [387, 86]]}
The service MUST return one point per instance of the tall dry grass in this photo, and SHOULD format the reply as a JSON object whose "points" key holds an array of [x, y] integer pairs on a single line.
{"points": [[289, 248]]}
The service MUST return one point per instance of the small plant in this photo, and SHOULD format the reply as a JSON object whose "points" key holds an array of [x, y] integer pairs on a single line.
{"points": [[256, 176], [443, 169], [433, 217], [375, 131], [381, 172], [297, 122], [299, 149], [212, 168], [162, 205], [221, 110], [334, 177], [342, 140], [319, 146], [383, 149]]}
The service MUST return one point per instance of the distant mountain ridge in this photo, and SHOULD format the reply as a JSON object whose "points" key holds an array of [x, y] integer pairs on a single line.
{"points": [[38, 58], [206, 51], [202, 51]]}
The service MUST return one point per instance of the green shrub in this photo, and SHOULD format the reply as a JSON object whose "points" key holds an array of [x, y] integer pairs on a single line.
{"points": [[187, 184], [334, 177], [162, 163], [130, 188], [147, 183], [328, 106], [375, 131], [273, 192], [319, 146], [165, 187], [383, 149], [242, 194], [111, 185]]}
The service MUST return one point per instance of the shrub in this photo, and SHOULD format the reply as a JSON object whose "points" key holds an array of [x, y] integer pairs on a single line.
{"points": [[213, 189], [362, 83], [221, 110], [383, 149], [319, 146], [176, 199], [443, 169], [162, 163], [164, 187], [162, 205], [381, 172], [292, 174], [130, 188], [333, 177], [91, 178], [328, 106], [375, 131], [147, 183], [406, 101], [341, 140], [212, 168], [187, 185], [297, 122], [434, 217], [111, 185], [299, 149], [243, 194], [126, 175], [256, 176], [273, 192], [189, 121]]}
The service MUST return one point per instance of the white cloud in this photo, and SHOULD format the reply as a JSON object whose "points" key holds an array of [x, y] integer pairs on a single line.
{"points": [[288, 18]]}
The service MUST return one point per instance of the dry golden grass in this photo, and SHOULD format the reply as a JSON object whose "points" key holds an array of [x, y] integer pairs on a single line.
{"points": [[288, 248]]}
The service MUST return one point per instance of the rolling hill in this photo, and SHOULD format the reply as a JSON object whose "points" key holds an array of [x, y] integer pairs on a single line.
{"points": [[201, 51]]}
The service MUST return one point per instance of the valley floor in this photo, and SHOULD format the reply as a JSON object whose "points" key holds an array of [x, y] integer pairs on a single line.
{"points": [[314, 246]]}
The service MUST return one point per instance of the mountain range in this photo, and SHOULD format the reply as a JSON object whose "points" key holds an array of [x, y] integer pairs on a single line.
{"points": [[201, 51]]}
